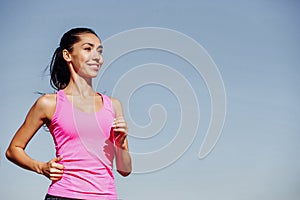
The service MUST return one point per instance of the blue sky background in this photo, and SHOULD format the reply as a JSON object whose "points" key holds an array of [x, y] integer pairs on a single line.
{"points": [[255, 45]]}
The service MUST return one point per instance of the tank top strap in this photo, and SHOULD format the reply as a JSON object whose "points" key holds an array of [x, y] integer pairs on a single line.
{"points": [[60, 98], [59, 105]]}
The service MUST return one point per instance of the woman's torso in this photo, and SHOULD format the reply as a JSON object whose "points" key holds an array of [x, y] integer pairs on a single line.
{"points": [[85, 142]]}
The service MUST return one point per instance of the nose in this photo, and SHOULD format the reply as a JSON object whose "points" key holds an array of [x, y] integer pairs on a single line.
{"points": [[97, 57]]}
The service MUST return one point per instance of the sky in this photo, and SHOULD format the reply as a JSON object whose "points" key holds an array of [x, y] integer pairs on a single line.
{"points": [[179, 68]]}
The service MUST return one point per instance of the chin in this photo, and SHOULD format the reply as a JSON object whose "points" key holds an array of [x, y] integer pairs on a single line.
{"points": [[93, 74]]}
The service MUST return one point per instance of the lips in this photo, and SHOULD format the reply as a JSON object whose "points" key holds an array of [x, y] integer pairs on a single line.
{"points": [[94, 66]]}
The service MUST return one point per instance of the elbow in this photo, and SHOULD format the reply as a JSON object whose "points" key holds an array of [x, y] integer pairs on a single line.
{"points": [[125, 170], [11, 153], [124, 173], [8, 154]]}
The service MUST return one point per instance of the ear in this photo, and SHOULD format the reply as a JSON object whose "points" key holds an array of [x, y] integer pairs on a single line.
{"points": [[67, 56]]}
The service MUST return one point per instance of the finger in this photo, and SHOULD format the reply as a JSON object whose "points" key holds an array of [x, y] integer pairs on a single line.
{"points": [[57, 165], [56, 171], [122, 131], [122, 123], [55, 177], [121, 127], [54, 162], [119, 123], [119, 120], [57, 159]]}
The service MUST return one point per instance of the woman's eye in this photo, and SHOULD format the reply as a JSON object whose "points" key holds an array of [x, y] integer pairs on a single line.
{"points": [[87, 49]]}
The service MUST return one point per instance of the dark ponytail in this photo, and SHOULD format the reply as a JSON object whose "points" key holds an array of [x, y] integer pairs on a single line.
{"points": [[59, 70]]}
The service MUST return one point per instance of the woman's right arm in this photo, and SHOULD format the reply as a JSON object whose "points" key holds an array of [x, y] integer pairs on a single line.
{"points": [[39, 114]]}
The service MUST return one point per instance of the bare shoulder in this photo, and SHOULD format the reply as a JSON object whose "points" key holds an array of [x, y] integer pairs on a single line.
{"points": [[46, 100], [115, 102], [46, 104], [117, 106]]}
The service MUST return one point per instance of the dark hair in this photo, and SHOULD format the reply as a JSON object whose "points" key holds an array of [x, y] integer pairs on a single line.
{"points": [[59, 70]]}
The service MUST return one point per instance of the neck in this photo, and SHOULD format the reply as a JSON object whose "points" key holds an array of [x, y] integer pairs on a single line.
{"points": [[79, 86]]}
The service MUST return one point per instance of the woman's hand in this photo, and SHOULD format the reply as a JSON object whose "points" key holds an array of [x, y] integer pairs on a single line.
{"points": [[120, 131], [120, 128], [52, 169]]}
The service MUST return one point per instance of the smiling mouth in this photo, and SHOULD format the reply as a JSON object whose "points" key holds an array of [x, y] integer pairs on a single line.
{"points": [[95, 66]]}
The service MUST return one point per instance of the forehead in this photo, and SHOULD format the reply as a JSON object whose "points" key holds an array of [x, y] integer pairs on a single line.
{"points": [[89, 38]]}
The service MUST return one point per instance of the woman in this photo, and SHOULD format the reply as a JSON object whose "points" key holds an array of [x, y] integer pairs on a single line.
{"points": [[88, 128]]}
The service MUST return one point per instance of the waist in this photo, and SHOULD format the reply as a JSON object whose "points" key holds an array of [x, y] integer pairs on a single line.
{"points": [[85, 184]]}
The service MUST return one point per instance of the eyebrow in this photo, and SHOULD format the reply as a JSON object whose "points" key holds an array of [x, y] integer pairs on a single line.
{"points": [[90, 44]]}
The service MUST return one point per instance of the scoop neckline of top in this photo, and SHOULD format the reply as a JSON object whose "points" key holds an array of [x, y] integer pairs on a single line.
{"points": [[78, 109]]}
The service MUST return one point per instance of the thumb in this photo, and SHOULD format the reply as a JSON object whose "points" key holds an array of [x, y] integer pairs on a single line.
{"points": [[57, 159]]}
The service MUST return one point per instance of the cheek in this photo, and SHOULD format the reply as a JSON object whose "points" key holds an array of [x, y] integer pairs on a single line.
{"points": [[79, 60], [77, 63], [83, 57]]}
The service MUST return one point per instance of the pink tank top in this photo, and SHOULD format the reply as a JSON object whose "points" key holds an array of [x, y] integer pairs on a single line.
{"points": [[84, 140]]}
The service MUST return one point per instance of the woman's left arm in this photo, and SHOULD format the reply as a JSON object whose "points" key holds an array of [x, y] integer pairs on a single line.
{"points": [[123, 159]]}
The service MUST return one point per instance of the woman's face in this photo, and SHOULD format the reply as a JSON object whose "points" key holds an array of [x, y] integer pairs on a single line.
{"points": [[86, 56]]}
